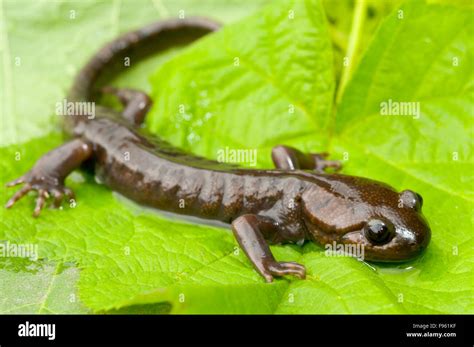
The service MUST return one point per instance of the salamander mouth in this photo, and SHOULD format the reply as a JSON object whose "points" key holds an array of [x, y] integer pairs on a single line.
{"points": [[334, 241], [404, 246]]}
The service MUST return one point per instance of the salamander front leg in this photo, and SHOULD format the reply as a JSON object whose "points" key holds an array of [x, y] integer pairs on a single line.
{"points": [[247, 231], [136, 103], [48, 174], [289, 158]]}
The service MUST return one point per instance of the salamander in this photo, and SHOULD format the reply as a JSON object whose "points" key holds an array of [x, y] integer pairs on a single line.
{"points": [[301, 200]]}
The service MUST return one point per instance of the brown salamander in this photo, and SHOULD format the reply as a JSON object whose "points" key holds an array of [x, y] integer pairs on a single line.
{"points": [[296, 202]]}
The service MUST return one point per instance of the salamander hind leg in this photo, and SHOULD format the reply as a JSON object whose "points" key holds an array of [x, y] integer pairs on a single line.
{"points": [[48, 174], [248, 230], [289, 158], [136, 103]]}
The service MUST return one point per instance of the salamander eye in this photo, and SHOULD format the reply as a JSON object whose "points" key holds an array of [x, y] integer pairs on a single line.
{"points": [[378, 231], [411, 199], [420, 199]]}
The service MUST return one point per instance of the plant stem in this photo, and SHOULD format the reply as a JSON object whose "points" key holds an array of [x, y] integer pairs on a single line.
{"points": [[354, 40]]}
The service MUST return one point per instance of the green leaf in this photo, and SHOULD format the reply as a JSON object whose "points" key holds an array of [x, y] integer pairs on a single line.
{"points": [[412, 58], [426, 57], [49, 50], [127, 252], [38, 287], [243, 83], [50, 56], [133, 260]]}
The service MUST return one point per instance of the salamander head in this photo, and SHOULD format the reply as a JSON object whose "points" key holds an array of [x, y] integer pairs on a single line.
{"points": [[354, 211], [393, 233]]}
